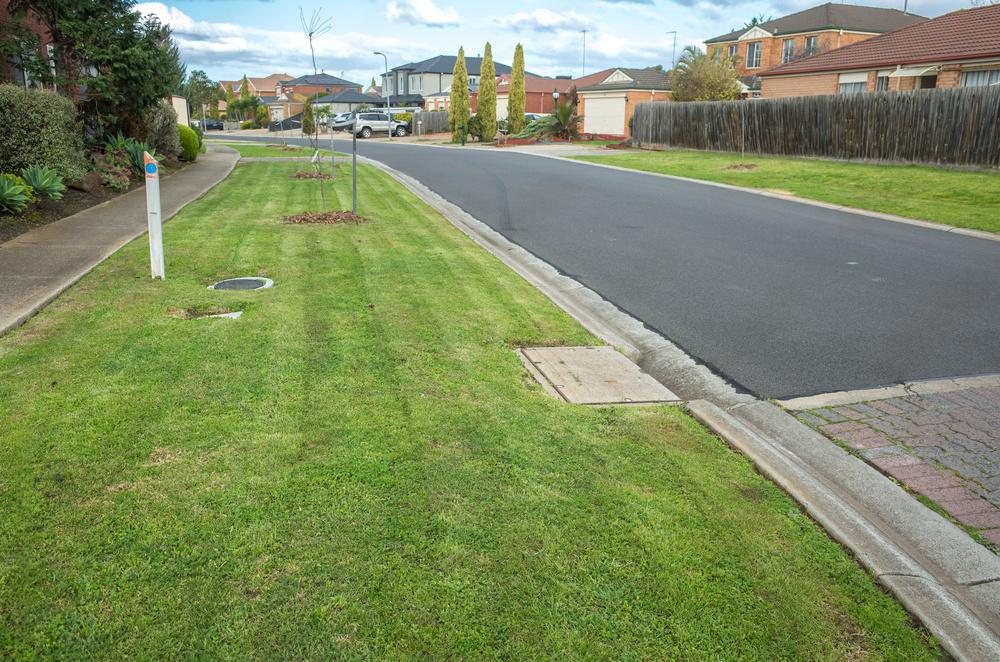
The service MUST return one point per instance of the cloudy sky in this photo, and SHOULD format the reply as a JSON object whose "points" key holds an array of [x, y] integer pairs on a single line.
{"points": [[228, 38]]}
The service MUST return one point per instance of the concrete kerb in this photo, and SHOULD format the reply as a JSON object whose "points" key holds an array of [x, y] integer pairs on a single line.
{"points": [[112, 248], [934, 568], [922, 387]]}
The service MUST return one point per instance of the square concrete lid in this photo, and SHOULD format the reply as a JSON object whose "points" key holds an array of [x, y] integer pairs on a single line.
{"points": [[593, 376]]}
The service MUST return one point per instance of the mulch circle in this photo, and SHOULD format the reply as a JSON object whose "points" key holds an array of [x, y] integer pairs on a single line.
{"points": [[302, 174], [742, 167], [327, 218]]}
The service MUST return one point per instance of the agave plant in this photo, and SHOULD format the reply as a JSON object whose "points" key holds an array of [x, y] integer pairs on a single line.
{"points": [[14, 194], [119, 141], [45, 181], [135, 151]]}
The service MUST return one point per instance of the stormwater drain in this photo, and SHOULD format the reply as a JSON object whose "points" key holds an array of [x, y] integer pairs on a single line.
{"points": [[253, 283]]}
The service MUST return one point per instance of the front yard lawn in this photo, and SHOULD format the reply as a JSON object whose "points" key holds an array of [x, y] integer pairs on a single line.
{"points": [[361, 467], [248, 149], [962, 198]]}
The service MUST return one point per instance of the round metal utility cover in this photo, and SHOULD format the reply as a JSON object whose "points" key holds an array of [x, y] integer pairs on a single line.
{"points": [[253, 283]]}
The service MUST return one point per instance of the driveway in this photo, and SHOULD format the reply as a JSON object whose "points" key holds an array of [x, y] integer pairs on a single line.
{"points": [[783, 299]]}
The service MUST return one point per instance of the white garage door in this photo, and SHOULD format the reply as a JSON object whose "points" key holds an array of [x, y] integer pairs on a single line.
{"points": [[604, 115]]}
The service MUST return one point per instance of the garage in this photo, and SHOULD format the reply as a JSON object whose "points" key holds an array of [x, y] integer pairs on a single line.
{"points": [[605, 115]]}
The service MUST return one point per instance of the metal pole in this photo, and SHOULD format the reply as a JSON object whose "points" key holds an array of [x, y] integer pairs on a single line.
{"points": [[673, 57], [354, 165], [388, 96], [583, 70]]}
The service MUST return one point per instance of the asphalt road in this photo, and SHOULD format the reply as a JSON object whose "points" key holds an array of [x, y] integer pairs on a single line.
{"points": [[781, 298]]}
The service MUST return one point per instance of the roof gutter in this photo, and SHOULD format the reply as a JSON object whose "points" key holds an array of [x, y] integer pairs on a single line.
{"points": [[881, 65]]}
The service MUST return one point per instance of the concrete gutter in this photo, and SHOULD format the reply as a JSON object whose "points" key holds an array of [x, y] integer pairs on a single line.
{"points": [[938, 572]]}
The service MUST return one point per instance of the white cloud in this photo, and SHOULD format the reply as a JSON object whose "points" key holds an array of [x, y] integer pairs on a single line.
{"points": [[240, 49], [424, 12], [544, 20]]}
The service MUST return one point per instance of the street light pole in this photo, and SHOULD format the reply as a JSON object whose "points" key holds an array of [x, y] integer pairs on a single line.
{"points": [[583, 71], [673, 57], [388, 97]]}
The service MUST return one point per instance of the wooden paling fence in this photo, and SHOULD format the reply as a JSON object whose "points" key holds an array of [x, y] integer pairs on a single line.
{"points": [[431, 122], [958, 126]]}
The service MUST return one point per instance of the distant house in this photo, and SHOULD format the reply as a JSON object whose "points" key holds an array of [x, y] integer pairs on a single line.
{"points": [[960, 49], [416, 80], [607, 105], [537, 93], [782, 40], [348, 100], [314, 84]]}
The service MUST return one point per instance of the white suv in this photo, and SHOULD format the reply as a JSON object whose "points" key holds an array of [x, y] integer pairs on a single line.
{"points": [[369, 123]]}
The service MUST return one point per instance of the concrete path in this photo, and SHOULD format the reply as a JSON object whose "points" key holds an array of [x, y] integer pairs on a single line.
{"points": [[37, 266]]}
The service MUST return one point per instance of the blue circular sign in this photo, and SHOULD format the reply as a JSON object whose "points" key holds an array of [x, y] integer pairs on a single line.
{"points": [[150, 168]]}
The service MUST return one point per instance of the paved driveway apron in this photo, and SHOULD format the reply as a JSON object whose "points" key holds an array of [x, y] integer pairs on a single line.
{"points": [[783, 299]]}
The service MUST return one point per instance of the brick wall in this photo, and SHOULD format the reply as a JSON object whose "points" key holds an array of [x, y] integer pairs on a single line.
{"points": [[632, 98], [772, 48], [798, 86], [949, 76]]}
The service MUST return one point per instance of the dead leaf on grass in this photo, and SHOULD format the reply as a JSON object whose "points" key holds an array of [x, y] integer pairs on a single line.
{"points": [[326, 218]]}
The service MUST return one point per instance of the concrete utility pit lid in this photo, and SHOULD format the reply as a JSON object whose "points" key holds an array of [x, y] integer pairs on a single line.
{"points": [[593, 376], [250, 283]]}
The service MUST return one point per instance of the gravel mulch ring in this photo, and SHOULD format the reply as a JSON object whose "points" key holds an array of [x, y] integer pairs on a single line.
{"points": [[327, 218], [742, 167], [302, 174]]}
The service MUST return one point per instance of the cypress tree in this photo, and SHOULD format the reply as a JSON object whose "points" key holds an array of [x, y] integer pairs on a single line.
{"points": [[458, 113], [515, 98], [486, 110], [308, 121]]}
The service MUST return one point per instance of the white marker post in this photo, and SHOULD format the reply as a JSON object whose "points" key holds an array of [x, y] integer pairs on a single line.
{"points": [[153, 217]]}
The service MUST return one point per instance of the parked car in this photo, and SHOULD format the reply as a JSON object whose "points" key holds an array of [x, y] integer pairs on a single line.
{"points": [[341, 121], [213, 124], [533, 116], [370, 123]]}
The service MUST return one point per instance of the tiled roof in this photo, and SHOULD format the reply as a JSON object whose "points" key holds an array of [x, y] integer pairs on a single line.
{"points": [[960, 35], [348, 96], [267, 82], [319, 79], [642, 79], [831, 16], [445, 64]]}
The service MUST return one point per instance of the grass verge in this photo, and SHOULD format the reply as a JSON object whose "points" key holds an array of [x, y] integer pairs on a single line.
{"points": [[962, 198], [360, 467], [251, 150]]}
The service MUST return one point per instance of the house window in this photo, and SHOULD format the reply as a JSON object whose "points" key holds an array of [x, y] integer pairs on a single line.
{"points": [[812, 45], [732, 50], [753, 55], [981, 78], [928, 82], [787, 50], [472, 80], [882, 82], [853, 83]]}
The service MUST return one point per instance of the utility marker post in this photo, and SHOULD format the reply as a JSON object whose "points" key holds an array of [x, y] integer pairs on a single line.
{"points": [[354, 164], [153, 218]]}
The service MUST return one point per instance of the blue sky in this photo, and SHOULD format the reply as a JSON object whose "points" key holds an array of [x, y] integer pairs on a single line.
{"points": [[228, 38]]}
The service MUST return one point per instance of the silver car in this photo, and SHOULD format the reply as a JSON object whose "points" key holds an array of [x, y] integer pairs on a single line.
{"points": [[369, 123]]}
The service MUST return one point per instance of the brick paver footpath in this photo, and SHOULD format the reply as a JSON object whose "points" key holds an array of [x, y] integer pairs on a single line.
{"points": [[945, 446]]}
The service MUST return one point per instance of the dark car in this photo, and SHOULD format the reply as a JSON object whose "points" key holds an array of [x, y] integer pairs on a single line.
{"points": [[213, 125]]}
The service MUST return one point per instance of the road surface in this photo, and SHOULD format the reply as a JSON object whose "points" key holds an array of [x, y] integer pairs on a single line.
{"points": [[782, 299]]}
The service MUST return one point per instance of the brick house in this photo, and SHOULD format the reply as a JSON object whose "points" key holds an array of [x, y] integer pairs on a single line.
{"points": [[960, 49], [311, 84], [538, 90], [815, 30], [416, 81], [607, 105], [12, 69]]}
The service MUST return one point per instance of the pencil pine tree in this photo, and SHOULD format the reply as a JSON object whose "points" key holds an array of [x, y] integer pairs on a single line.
{"points": [[486, 108], [515, 97], [458, 113], [308, 119]]}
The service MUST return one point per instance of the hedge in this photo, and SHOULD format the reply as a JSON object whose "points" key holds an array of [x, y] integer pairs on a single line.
{"points": [[40, 128], [189, 142]]}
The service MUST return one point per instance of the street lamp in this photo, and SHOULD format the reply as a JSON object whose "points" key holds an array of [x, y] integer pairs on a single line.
{"points": [[555, 98], [388, 97]]}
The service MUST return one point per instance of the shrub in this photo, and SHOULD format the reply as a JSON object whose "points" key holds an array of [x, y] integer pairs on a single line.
{"points": [[248, 124], [160, 132], [40, 128], [473, 127], [403, 117], [136, 156], [189, 143], [115, 167], [262, 116], [44, 181], [14, 195]]}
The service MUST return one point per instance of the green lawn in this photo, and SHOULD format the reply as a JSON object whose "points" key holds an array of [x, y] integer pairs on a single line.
{"points": [[967, 199], [361, 467], [265, 150]]}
